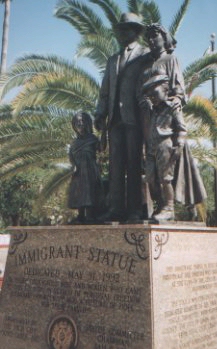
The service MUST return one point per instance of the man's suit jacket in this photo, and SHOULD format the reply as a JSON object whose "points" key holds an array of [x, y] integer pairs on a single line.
{"points": [[120, 87]]}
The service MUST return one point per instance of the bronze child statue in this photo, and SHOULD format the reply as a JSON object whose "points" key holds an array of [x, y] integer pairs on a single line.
{"points": [[169, 163], [85, 190]]}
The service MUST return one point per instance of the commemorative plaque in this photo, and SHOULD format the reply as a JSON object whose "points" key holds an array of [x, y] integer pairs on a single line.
{"points": [[110, 287], [76, 287]]}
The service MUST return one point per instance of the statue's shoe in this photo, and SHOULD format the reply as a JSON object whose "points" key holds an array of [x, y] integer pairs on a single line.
{"points": [[166, 214]]}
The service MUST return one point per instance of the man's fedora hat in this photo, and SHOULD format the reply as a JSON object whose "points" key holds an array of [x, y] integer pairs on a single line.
{"points": [[130, 19]]}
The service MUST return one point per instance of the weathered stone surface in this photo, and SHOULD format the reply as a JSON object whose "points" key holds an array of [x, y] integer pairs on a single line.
{"points": [[83, 287], [110, 287], [184, 280]]}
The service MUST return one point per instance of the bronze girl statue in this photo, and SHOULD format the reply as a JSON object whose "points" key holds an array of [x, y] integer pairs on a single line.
{"points": [[85, 190]]}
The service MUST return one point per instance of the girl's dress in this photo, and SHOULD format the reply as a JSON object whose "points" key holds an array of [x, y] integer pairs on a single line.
{"points": [[85, 189]]}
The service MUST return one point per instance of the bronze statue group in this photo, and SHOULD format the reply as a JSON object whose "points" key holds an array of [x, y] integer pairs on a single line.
{"points": [[140, 105]]}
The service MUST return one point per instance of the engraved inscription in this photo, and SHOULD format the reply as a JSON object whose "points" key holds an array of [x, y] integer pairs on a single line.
{"points": [[75, 289], [109, 258], [19, 327], [83, 291], [192, 319]]}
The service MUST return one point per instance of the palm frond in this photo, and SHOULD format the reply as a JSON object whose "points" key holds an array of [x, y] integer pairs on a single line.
{"points": [[198, 79], [27, 131], [80, 16], [111, 10], [208, 61], [24, 165], [70, 92], [215, 103], [179, 17], [196, 129], [36, 138], [98, 48], [55, 182], [33, 149], [50, 112], [16, 129], [150, 12], [32, 120], [205, 155], [202, 108], [135, 6], [5, 112], [202, 210], [24, 69], [27, 67]]}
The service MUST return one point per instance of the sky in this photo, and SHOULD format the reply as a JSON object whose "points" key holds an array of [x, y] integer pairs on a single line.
{"points": [[35, 30]]}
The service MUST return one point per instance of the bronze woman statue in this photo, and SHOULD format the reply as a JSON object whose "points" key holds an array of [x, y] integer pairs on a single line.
{"points": [[170, 169]]}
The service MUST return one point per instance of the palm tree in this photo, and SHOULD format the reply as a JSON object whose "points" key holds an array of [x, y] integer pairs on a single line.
{"points": [[97, 40], [42, 76], [5, 35], [47, 81], [36, 130]]}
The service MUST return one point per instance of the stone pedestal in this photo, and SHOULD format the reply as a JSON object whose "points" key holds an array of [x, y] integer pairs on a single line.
{"points": [[110, 287]]}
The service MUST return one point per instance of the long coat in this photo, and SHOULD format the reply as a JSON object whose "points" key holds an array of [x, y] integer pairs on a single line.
{"points": [[188, 185]]}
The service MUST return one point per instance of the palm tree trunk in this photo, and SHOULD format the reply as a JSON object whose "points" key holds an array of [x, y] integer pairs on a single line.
{"points": [[5, 37]]}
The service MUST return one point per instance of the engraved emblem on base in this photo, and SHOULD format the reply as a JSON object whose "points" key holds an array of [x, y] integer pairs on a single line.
{"points": [[161, 239], [62, 333]]}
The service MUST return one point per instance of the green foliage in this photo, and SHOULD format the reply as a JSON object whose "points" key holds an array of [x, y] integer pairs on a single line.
{"points": [[16, 201], [98, 48], [110, 9], [36, 138], [49, 81], [80, 16], [5, 112], [207, 173], [179, 17], [200, 71], [203, 110], [61, 176], [150, 12]]}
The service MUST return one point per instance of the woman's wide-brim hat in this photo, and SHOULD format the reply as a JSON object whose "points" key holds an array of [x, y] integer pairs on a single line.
{"points": [[130, 19]]}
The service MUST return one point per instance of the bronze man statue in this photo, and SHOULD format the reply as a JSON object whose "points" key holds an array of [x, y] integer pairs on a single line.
{"points": [[118, 106]]}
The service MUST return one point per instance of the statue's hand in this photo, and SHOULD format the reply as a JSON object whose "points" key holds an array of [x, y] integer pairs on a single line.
{"points": [[176, 153], [145, 102], [175, 103]]}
